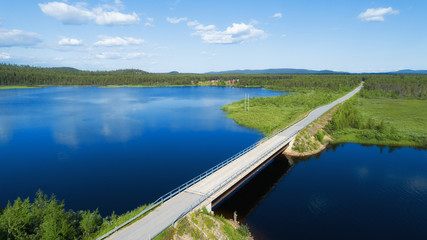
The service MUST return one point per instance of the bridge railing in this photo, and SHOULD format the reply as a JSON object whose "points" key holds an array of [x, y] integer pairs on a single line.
{"points": [[204, 175]]}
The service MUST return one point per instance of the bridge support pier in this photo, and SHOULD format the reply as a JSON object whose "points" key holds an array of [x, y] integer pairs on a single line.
{"points": [[209, 207]]}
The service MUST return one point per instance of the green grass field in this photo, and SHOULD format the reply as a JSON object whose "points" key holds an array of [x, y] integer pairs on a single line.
{"points": [[272, 113], [407, 116], [17, 87]]}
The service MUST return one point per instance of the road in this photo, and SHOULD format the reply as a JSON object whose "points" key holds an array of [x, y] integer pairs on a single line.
{"points": [[218, 182]]}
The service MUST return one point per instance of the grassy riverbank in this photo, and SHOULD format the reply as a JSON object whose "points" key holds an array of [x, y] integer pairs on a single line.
{"points": [[385, 121], [369, 118], [17, 87], [272, 113], [204, 225]]}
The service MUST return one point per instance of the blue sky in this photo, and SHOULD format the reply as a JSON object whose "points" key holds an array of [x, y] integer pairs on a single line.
{"points": [[201, 36]]}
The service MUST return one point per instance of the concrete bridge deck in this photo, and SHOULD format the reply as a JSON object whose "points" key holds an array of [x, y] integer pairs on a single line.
{"points": [[206, 190]]}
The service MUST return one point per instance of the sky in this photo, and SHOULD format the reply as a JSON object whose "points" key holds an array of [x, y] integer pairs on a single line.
{"points": [[215, 35]]}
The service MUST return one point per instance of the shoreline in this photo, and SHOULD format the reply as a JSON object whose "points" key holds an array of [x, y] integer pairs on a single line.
{"points": [[289, 152], [7, 87], [309, 145]]}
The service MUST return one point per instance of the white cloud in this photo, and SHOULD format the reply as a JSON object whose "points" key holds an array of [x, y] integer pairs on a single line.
{"points": [[193, 23], [4, 56], [135, 55], [70, 42], [202, 27], [237, 33], [10, 38], [108, 41], [114, 18], [108, 55], [278, 15], [119, 4], [149, 22], [176, 20], [376, 14], [120, 55], [65, 13], [79, 14]]}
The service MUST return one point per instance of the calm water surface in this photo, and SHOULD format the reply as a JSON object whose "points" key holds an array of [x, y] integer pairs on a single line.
{"points": [[114, 148], [349, 192]]}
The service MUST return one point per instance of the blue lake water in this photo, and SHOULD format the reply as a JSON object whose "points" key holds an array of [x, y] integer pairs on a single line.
{"points": [[114, 148], [118, 148], [349, 192]]}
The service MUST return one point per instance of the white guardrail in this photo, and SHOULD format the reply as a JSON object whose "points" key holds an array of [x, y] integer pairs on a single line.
{"points": [[207, 173]]}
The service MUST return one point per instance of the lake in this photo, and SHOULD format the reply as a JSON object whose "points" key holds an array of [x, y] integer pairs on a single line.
{"points": [[117, 148], [348, 192], [114, 148]]}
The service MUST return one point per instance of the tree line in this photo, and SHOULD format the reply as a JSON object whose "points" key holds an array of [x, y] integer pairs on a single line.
{"points": [[376, 85], [348, 120], [12, 75], [395, 86]]}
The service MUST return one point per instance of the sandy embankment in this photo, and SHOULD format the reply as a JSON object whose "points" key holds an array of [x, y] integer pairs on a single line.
{"points": [[310, 131]]}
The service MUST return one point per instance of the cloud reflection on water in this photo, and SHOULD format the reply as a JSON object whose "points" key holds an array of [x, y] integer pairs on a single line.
{"points": [[84, 115], [6, 128], [83, 119]]}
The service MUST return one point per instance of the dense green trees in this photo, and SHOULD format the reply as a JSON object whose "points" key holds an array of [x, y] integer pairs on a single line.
{"points": [[46, 218], [348, 116], [376, 85], [348, 120], [395, 86], [90, 222], [33, 76]]}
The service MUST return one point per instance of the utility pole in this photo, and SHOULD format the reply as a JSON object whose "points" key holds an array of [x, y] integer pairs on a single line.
{"points": [[246, 102]]}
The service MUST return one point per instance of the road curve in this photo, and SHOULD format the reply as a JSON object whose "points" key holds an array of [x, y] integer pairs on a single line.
{"points": [[215, 184]]}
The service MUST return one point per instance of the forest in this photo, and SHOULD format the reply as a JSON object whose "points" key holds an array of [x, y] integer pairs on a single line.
{"points": [[14, 75], [376, 85]]}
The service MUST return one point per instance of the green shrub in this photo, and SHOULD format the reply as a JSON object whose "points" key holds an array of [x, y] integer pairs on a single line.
{"points": [[244, 230], [320, 134]]}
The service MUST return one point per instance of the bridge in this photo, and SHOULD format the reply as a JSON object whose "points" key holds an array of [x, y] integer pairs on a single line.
{"points": [[212, 186]]}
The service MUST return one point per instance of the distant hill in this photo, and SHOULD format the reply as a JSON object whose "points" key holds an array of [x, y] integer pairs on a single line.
{"points": [[409, 71], [128, 71], [66, 69], [308, 71], [279, 71]]}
